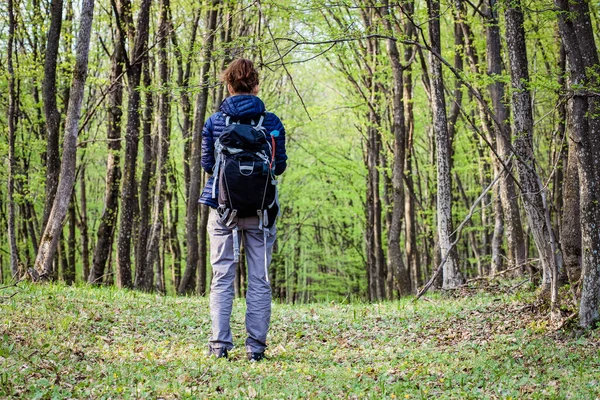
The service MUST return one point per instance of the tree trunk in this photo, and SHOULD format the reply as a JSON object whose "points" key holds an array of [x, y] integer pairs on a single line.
{"points": [[451, 274], [69, 274], [533, 192], [172, 222], [83, 227], [143, 270], [123, 269], [183, 78], [412, 252], [51, 109], [49, 240], [164, 139], [12, 102], [498, 235], [577, 35], [570, 229], [395, 261], [186, 284], [509, 200], [106, 229]]}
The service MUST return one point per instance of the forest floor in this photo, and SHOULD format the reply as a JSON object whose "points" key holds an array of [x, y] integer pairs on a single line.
{"points": [[81, 342]]}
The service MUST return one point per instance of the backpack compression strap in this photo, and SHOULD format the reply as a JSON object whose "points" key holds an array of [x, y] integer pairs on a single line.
{"points": [[257, 126]]}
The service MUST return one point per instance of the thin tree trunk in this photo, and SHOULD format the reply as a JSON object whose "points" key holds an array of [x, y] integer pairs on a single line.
{"points": [[63, 259], [69, 274], [164, 139], [183, 78], [50, 107], [412, 251], [106, 229], [510, 206], [395, 261], [451, 274], [49, 240], [173, 220], [12, 101], [143, 270], [83, 227], [186, 284], [123, 270], [498, 235]]}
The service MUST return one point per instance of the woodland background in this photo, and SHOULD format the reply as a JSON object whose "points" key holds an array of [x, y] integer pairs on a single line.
{"points": [[456, 137]]}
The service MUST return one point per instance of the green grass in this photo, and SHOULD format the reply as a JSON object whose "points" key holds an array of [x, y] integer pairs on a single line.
{"points": [[80, 342]]}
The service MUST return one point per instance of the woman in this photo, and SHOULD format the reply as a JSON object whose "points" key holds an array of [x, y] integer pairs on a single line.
{"points": [[243, 105]]}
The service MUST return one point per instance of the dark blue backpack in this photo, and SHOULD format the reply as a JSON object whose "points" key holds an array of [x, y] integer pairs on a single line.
{"points": [[244, 170]]}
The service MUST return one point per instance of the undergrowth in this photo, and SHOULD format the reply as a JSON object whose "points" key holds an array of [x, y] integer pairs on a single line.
{"points": [[82, 342]]}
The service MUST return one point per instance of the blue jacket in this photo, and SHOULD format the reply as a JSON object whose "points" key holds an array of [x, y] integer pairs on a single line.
{"points": [[239, 106]]}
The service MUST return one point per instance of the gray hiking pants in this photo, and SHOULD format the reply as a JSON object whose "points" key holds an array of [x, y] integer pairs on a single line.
{"points": [[258, 295]]}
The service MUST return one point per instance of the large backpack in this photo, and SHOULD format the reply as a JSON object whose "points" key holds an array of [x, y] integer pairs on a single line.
{"points": [[244, 171]]}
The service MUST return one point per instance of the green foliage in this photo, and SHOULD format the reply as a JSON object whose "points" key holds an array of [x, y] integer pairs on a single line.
{"points": [[320, 254], [79, 342]]}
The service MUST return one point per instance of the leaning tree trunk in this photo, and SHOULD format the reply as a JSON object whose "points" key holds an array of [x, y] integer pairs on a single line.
{"points": [[510, 206], [450, 274], [49, 240], [186, 284], [50, 107], [577, 35], [123, 270], [533, 192], [12, 101]]}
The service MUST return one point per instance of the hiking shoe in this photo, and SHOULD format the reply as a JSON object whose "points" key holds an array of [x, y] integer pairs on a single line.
{"points": [[255, 357], [217, 352]]}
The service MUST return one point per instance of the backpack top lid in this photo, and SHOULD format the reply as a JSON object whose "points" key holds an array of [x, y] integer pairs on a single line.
{"points": [[244, 137]]}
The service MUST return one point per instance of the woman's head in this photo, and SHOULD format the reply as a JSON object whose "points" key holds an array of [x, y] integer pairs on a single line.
{"points": [[241, 77]]}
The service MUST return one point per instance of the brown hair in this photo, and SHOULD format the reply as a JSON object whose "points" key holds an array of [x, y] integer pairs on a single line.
{"points": [[241, 75]]}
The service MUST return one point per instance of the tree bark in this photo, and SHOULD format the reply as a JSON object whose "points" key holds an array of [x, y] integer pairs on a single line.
{"points": [[172, 222], [83, 227], [134, 73], [395, 261], [412, 251], [451, 274], [106, 229], [183, 79], [508, 197], [582, 55], [533, 192], [143, 270], [69, 274], [164, 133], [51, 109], [186, 284], [49, 240], [12, 164]]}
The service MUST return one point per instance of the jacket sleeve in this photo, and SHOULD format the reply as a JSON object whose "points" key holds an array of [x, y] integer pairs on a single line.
{"points": [[208, 147], [280, 155]]}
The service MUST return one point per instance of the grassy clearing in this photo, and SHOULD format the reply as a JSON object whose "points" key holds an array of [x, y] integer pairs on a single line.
{"points": [[58, 342]]}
